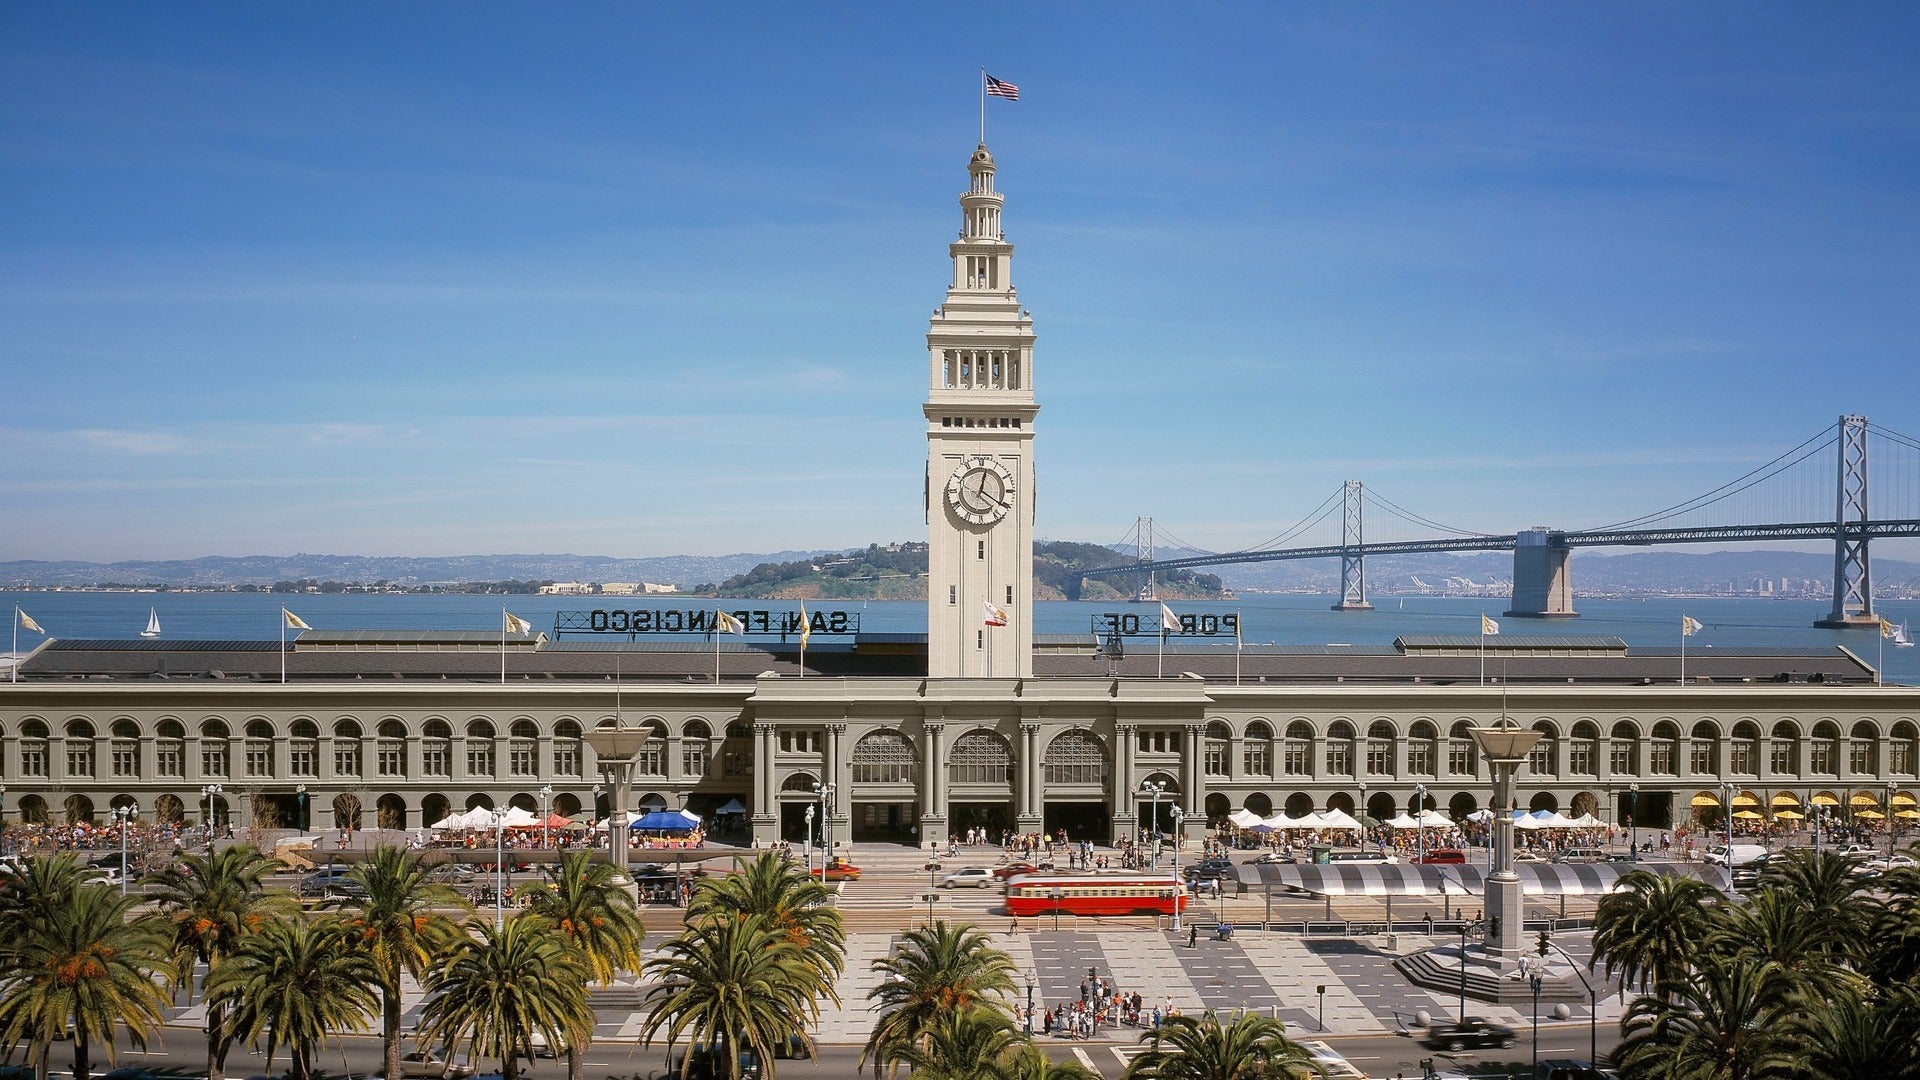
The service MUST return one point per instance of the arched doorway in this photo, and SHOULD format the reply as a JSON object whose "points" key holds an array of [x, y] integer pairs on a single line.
{"points": [[346, 811], [1218, 807], [796, 798], [1259, 803], [1341, 801], [1543, 800], [33, 810], [79, 809], [1584, 803], [1382, 805], [1461, 805], [169, 810], [391, 811], [885, 775], [1148, 806], [979, 785], [434, 809], [566, 804], [1299, 804]]}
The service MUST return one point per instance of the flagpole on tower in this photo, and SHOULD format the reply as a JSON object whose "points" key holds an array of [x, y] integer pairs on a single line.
{"points": [[983, 105]]}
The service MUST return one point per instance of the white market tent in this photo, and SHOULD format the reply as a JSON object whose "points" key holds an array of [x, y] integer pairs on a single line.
{"points": [[1337, 819], [1245, 818]]}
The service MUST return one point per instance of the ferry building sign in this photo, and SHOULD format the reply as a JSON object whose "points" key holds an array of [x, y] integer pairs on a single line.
{"points": [[701, 621]]}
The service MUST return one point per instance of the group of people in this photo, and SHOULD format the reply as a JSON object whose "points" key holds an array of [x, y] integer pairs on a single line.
{"points": [[1101, 1004]]}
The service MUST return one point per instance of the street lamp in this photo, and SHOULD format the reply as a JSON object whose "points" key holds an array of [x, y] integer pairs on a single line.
{"points": [[1152, 790], [1420, 823], [1029, 1004], [1536, 980], [1179, 815], [207, 795], [1054, 894], [1886, 808], [123, 812], [808, 818], [930, 897], [824, 793], [499, 870], [1593, 1004], [1465, 929], [613, 749], [1633, 821], [1362, 814], [546, 827], [1726, 808]]}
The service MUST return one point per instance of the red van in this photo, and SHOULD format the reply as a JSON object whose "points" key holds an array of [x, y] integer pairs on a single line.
{"points": [[1448, 856]]}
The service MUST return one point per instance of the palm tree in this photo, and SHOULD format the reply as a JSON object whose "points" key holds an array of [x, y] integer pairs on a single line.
{"points": [[76, 961], [1773, 926], [1029, 1062], [1202, 1048], [1827, 890], [1651, 927], [794, 903], [937, 971], [1854, 1037], [1726, 1019], [492, 992], [1895, 956], [969, 1044], [292, 983], [579, 901], [213, 902], [395, 922], [728, 985]]}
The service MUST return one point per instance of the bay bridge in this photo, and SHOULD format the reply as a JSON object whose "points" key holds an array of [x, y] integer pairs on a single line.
{"points": [[1783, 499]]}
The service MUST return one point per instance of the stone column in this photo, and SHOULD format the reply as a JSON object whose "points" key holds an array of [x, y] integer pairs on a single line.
{"points": [[1194, 783], [837, 825], [766, 815], [933, 813], [1126, 813], [1023, 793]]}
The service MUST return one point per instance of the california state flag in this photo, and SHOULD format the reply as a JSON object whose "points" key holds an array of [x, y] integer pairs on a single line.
{"points": [[995, 616]]}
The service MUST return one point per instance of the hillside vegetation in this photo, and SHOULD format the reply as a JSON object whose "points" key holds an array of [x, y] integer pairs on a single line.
{"points": [[899, 572]]}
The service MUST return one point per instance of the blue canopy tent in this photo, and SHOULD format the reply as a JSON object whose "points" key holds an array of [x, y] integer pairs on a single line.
{"points": [[667, 821]]}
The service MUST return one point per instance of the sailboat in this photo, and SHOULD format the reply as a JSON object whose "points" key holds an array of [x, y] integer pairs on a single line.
{"points": [[1900, 638], [153, 624]]}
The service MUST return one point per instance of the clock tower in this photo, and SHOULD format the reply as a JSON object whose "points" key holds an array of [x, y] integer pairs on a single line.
{"points": [[980, 412]]}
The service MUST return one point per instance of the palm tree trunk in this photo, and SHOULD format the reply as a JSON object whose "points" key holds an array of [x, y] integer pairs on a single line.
{"points": [[390, 1028], [217, 1041], [42, 1053], [575, 1066], [82, 1068]]}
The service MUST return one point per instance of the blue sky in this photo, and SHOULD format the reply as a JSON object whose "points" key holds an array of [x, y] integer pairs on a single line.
{"points": [[642, 280]]}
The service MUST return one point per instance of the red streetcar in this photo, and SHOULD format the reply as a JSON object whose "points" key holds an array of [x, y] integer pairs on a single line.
{"points": [[1096, 894]]}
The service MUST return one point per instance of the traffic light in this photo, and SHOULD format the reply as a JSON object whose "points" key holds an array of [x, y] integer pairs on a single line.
{"points": [[1546, 942]]}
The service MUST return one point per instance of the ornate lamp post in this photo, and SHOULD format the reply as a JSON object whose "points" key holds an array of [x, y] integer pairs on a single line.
{"points": [[1361, 813], [614, 748], [1152, 790], [546, 828], [1886, 809], [1179, 815], [1633, 821], [808, 818], [1029, 1004], [1726, 807], [1505, 746], [207, 795], [1420, 827], [499, 870], [1536, 979], [1055, 895], [1465, 929], [124, 812], [824, 794]]}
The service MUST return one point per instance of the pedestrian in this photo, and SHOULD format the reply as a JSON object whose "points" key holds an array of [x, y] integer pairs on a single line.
{"points": [[1013, 925], [1193, 936]]}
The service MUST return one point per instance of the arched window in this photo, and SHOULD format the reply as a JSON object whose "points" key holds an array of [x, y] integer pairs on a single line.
{"points": [[652, 758], [1462, 757], [1076, 757], [1863, 749], [980, 757], [1423, 748], [391, 748], [736, 749], [1214, 755], [125, 749], [259, 747], [214, 744], [1783, 749], [523, 748], [799, 781], [1298, 752], [1825, 749], [1666, 749], [1703, 752], [1624, 748], [79, 749], [170, 750], [1583, 753], [1540, 760], [1904, 751], [566, 748], [884, 757], [1743, 753], [303, 749], [436, 748], [1380, 737], [696, 740], [33, 750], [479, 748], [1340, 748], [1257, 758]]}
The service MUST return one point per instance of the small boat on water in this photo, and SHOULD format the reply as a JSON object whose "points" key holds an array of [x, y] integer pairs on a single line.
{"points": [[153, 623], [1900, 638]]}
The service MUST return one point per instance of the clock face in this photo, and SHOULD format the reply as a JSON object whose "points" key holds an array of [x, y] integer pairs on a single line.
{"points": [[980, 491]]}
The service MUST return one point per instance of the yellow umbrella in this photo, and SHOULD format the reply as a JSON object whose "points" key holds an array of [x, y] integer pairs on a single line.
{"points": [[1704, 799], [1871, 815], [1824, 799], [1746, 815], [1795, 815], [1906, 813], [1903, 799]]}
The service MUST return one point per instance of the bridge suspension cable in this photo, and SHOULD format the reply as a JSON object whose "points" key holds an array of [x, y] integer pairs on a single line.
{"points": [[1779, 465], [1411, 518], [1314, 517]]}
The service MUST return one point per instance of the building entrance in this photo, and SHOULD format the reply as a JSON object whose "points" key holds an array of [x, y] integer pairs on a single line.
{"points": [[995, 817], [793, 821], [886, 823], [1081, 820]]}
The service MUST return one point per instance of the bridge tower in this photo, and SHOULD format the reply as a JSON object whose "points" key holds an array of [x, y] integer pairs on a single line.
{"points": [[1542, 588], [1852, 569], [1143, 553], [1353, 565], [979, 410]]}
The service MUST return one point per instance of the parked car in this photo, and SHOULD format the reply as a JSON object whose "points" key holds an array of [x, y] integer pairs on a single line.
{"points": [[1376, 857], [1737, 855], [970, 877], [1274, 857], [1582, 855], [1893, 862], [428, 1065], [331, 882], [1521, 855], [1859, 852], [837, 870], [1014, 869], [1208, 870], [1445, 857], [1332, 1063], [1473, 1033]]}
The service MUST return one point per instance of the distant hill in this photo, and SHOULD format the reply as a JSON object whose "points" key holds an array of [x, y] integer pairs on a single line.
{"points": [[214, 571], [899, 572]]}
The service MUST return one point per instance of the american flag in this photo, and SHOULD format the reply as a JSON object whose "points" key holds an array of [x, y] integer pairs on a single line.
{"points": [[1002, 89]]}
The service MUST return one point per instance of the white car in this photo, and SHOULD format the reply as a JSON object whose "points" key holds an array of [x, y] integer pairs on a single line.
{"points": [[1891, 862], [972, 877], [1332, 1063]]}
